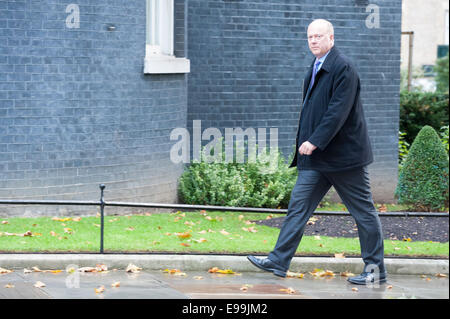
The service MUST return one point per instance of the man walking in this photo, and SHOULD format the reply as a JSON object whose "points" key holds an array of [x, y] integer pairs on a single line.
{"points": [[332, 149]]}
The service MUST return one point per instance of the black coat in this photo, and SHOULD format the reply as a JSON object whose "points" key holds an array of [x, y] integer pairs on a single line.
{"points": [[333, 119]]}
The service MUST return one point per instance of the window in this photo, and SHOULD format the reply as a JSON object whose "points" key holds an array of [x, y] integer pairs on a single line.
{"points": [[446, 28], [159, 51]]}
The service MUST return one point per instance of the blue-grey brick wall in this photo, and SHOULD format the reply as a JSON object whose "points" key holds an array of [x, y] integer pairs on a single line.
{"points": [[76, 109], [248, 59]]}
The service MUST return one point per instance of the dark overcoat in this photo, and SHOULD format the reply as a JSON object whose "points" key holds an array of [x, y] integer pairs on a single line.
{"points": [[332, 119]]}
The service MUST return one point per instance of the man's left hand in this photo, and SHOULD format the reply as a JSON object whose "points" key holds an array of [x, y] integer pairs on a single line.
{"points": [[306, 148]]}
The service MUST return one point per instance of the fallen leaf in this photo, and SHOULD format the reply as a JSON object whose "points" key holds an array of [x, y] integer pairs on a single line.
{"points": [[312, 221], [198, 277], [250, 229], [201, 240], [27, 271], [76, 219], [9, 286], [115, 284], [407, 239], [245, 287], [184, 235], [321, 273], [291, 274], [5, 222], [288, 290], [4, 271], [39, 284], [87, 269], [101, 268], [347, 274], [129, 228], [54, 271], [221, 271], [26, 234], [224, 232], [241, 217], [99, 290], [132, 268], [339, 255], [382, 209], [62, 219], [68, 230], [175, 272], [441, 275], [317, 237], [185, 245], [389, 287], [355, 289]]}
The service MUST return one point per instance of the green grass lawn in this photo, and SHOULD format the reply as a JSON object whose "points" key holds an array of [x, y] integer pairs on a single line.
{"points": [[207, 232]]}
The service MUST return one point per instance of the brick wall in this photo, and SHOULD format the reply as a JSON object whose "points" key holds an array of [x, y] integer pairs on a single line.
{"points": [[76, 109], [248, 59]]}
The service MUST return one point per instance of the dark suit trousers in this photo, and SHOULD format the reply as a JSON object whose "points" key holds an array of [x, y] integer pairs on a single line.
{"points": [[354, 189]]}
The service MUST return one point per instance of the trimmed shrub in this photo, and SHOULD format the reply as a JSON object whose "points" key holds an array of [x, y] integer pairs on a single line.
{"points": [[255, 184], [423, 180], [418, 109]]}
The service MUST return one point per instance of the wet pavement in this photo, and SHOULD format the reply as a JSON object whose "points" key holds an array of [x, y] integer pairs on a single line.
{"points": [[156, 284]]}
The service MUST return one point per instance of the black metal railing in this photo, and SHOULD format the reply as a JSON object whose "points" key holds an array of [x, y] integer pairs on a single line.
{"points": [[102, 204]]}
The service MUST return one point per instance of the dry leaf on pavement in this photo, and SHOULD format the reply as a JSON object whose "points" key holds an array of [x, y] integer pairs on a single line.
{"points": [[133, 268], [347, 274], [291, 274], [288, 290], [4, 271], [221, 271], [99, 290], [39, 284]]}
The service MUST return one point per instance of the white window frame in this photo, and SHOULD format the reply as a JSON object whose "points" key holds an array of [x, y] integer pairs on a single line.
{"points": [[159, 57]]}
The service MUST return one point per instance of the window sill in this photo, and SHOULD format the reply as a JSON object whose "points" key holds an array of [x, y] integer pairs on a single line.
{"points": [[166, 65]]}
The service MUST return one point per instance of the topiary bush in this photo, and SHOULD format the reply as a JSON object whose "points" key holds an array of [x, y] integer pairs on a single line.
{"points": [[423, 180], [258, 184]]}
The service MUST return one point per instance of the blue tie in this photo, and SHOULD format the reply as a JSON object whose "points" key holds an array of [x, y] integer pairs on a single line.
{"points": [[316, 67]]}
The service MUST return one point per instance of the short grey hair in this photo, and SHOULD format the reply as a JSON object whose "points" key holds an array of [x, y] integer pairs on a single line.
{"points": [[326, 23]]}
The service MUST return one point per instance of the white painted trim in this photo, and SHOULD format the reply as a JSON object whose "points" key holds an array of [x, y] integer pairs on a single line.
{"points": [[162, 64]]}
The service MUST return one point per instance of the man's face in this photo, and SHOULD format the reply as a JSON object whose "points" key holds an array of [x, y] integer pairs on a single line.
{"points": [[320, 40]]}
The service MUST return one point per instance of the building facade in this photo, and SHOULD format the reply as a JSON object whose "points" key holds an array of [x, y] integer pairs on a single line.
{"points": [[88, 97]]}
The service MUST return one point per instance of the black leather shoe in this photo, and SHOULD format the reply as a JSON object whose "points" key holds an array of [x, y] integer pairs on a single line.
{"points": [[267, 265], [367, 277]]}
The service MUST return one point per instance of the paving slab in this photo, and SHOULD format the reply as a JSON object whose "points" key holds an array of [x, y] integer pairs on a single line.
{"points": [[156, 284]]}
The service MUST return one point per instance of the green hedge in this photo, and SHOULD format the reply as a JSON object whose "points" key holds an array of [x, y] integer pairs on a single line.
{"points": [[258, 184], [418, 109]]}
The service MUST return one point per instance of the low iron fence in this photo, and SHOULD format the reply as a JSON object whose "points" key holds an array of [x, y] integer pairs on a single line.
{"points": [[102, 204]]}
